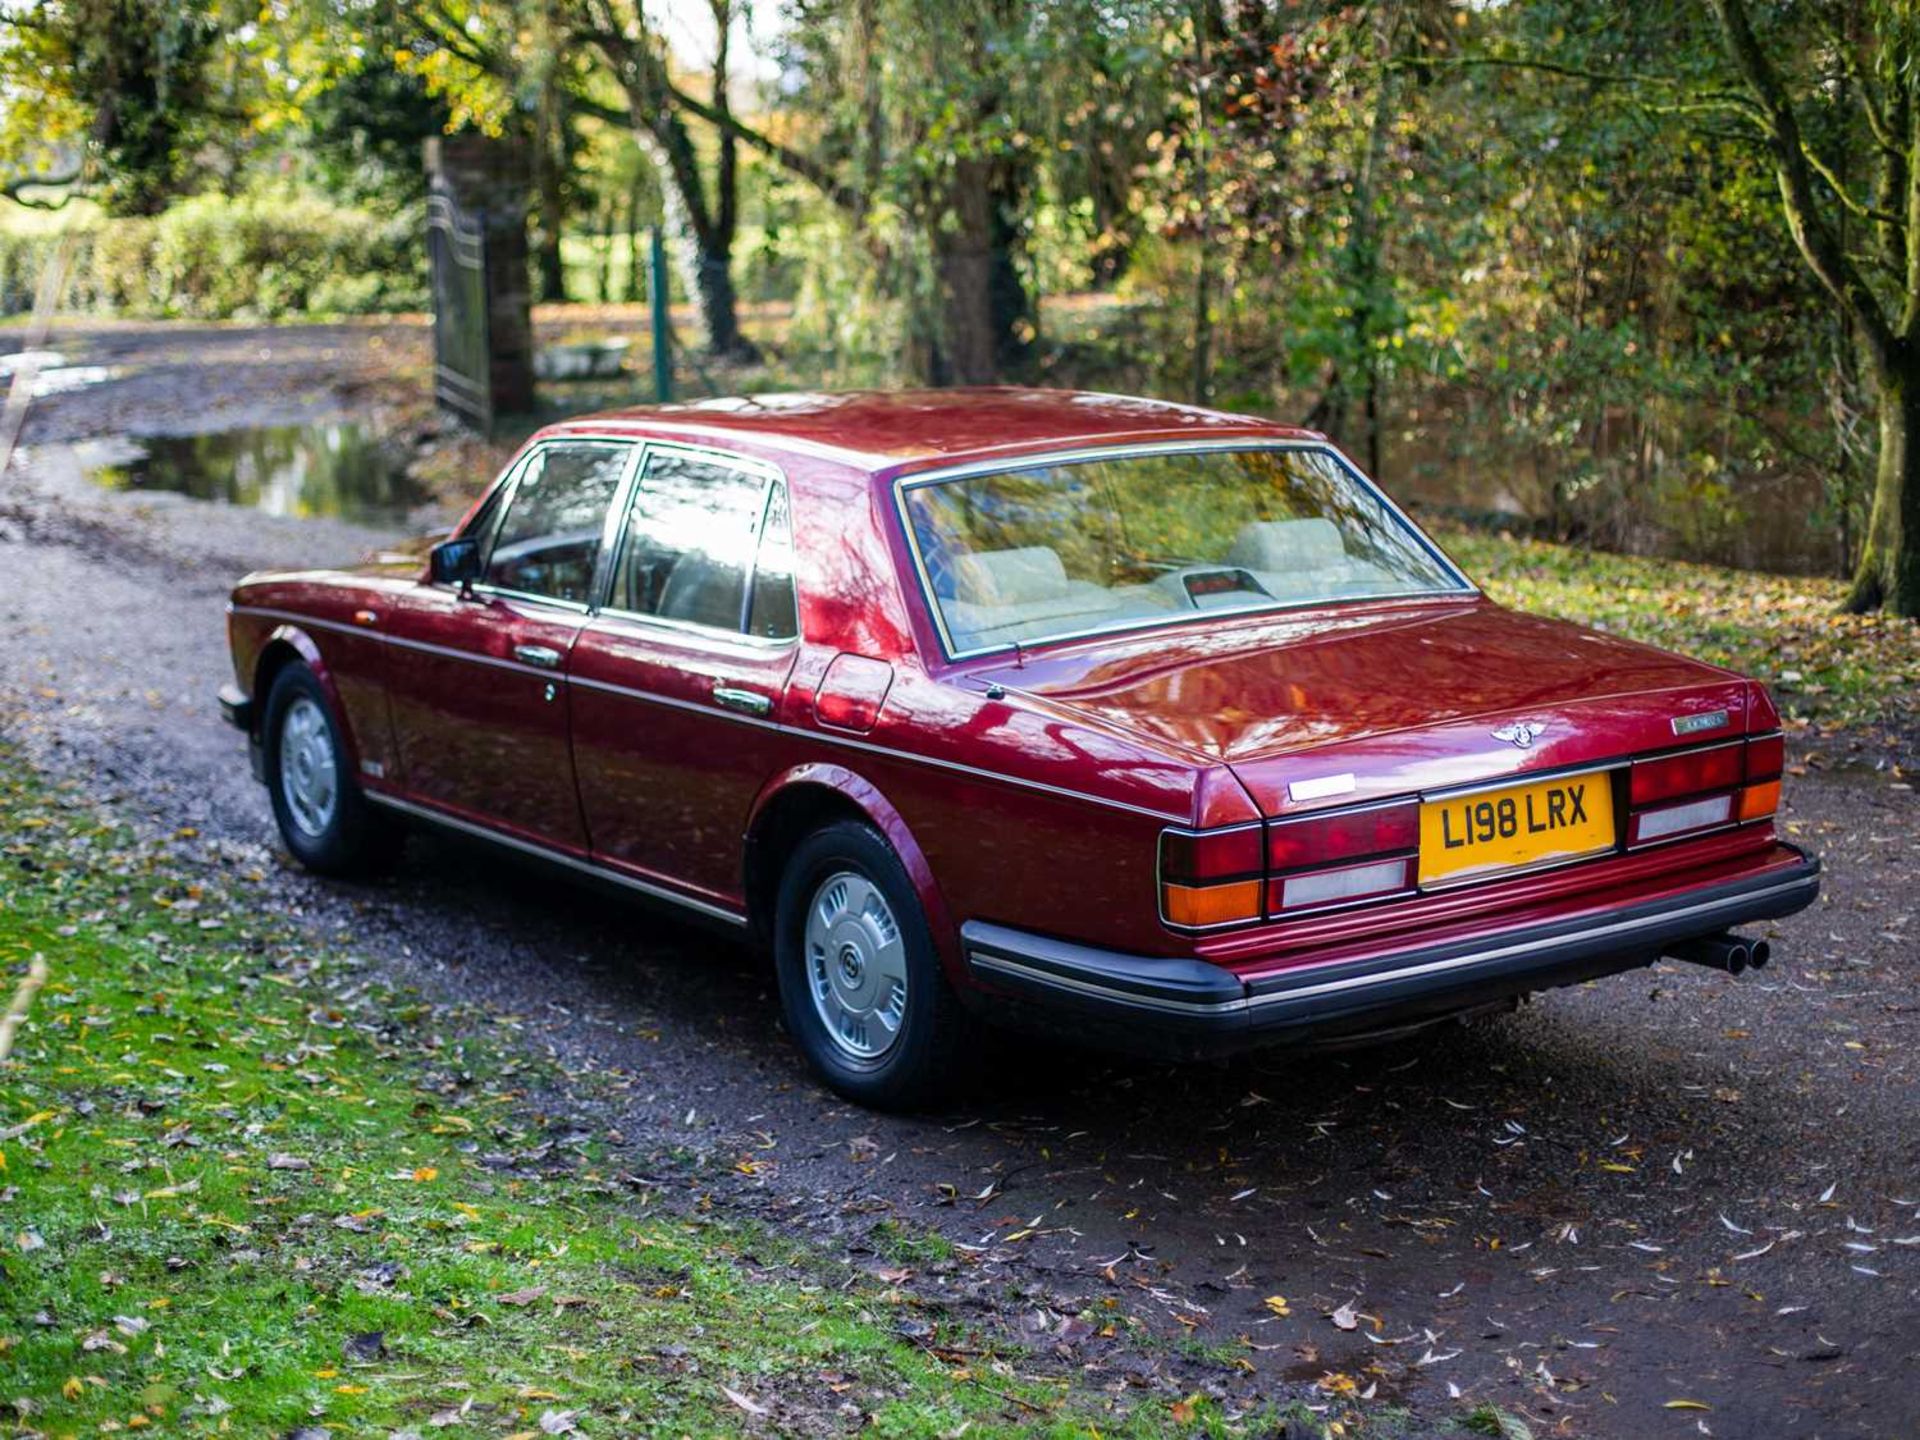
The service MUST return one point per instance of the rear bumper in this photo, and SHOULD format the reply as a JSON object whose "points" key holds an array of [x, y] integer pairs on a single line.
{"points": [[1188, 1007]]}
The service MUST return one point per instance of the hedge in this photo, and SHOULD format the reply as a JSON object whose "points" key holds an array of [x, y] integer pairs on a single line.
{"points": [[261, 257]]}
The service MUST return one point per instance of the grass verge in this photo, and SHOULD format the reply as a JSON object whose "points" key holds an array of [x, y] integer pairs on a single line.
{"points": [[1825, 668], [245, 1188]]}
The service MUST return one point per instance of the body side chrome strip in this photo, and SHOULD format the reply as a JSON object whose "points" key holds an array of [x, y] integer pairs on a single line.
{"points": [[846, 742], [530, 847], [425, 647]]}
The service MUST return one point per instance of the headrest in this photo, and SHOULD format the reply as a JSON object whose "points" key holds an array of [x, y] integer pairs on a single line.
{"points": [[1009, 577], [1284, 545]]}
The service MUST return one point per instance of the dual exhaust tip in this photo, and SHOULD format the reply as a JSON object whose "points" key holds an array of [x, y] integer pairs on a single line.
{"points": [[1728, 953]]}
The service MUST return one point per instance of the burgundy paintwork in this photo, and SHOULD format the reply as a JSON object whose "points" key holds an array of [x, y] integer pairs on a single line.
{"points": [[1025, 791]]}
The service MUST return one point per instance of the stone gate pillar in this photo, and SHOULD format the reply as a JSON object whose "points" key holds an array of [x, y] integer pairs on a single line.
{"points": [[487, 181]]}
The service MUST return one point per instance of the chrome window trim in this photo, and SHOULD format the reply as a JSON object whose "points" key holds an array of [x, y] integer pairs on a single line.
{"points": [[971, 470], [508, 486], [694, 629]]}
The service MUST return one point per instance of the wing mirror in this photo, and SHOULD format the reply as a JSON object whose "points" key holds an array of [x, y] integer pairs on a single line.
{"points": [[455, 562]]}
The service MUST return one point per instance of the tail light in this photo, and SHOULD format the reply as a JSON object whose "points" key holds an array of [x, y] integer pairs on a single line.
{"points": [[1242, 874], [1234, 876], [1211, 877], [1313, 859], [1696, 790]]}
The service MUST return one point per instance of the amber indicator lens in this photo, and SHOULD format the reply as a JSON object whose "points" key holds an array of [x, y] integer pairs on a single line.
{"points": [[1195, 906], [1759, 801]]}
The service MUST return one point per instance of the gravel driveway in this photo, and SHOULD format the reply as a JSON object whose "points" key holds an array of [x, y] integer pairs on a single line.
{"points": [[1667, 1187]]}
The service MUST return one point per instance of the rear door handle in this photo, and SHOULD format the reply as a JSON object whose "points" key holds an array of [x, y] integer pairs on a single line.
{"points": [[545, 656], [747, 702]]}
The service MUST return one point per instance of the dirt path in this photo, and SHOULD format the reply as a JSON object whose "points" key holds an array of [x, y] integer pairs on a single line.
{"points": [[1666, 1187]]}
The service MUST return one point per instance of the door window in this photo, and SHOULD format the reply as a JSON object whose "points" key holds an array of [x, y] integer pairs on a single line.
{"points": [[690, 544], [771, 615], [549, 538]]}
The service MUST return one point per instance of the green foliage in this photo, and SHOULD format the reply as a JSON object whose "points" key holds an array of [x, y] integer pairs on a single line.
{"points": [[1825, 668], [366, 131], [262, 256], [257, 1190], [142, 84]]}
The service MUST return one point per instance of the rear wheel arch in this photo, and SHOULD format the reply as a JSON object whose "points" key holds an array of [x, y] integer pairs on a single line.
{"points": [[801, 801]]}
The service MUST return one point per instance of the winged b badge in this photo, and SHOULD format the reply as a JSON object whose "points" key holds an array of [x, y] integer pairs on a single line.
{"points": [[1521, 732]]}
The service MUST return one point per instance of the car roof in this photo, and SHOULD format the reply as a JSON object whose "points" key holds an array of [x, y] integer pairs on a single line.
{"points": [[896, 429]]}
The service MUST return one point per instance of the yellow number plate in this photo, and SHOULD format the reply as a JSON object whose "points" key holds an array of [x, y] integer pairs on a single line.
{"points": [[1523, 825]]}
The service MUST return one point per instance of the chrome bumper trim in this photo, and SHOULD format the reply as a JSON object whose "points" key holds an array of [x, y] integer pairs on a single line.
{"points": [[557, 857]]}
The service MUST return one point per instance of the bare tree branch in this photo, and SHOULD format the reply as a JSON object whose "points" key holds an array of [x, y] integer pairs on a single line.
{"points": [[15, 189]]}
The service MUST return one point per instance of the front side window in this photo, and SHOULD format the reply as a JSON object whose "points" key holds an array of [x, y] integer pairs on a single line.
{"points": [[1069, 548], [549, 537], [690, 546]]}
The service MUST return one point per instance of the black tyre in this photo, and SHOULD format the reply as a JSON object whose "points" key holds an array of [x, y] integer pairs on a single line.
{"points": [[860, 982], [324, 818]]}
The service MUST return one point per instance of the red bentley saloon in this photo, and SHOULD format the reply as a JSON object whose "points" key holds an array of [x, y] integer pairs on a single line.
{"points": [[1132, 722]]}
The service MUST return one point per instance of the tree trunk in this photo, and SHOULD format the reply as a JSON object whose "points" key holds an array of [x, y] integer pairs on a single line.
{"points": [[552, 274], [1362, 259], [703, 252], [549, 145], [719, 307], [968, 351], [1203, 199], [1889, 573]]}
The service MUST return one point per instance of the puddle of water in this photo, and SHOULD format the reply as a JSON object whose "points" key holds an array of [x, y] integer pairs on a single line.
{"points": [[49, 373], [336, 471]]}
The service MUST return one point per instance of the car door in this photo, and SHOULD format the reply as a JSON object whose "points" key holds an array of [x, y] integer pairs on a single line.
{"points": [[679, 679], [478, 679]]}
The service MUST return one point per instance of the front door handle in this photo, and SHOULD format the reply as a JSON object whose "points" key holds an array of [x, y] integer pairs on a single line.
{"points": [[747, 702], [545, 656]]}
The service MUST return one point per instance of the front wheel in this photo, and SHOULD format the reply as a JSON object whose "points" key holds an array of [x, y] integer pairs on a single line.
{"points": [[860, 981], [324, 818]]}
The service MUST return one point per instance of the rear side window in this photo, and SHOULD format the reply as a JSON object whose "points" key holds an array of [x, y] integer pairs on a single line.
{"points": [[772, 614], [694, 534], [549, 538]]}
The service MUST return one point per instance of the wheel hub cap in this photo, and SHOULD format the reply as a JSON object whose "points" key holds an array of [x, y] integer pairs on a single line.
{"points": [[856, 965], [309, 772]]}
